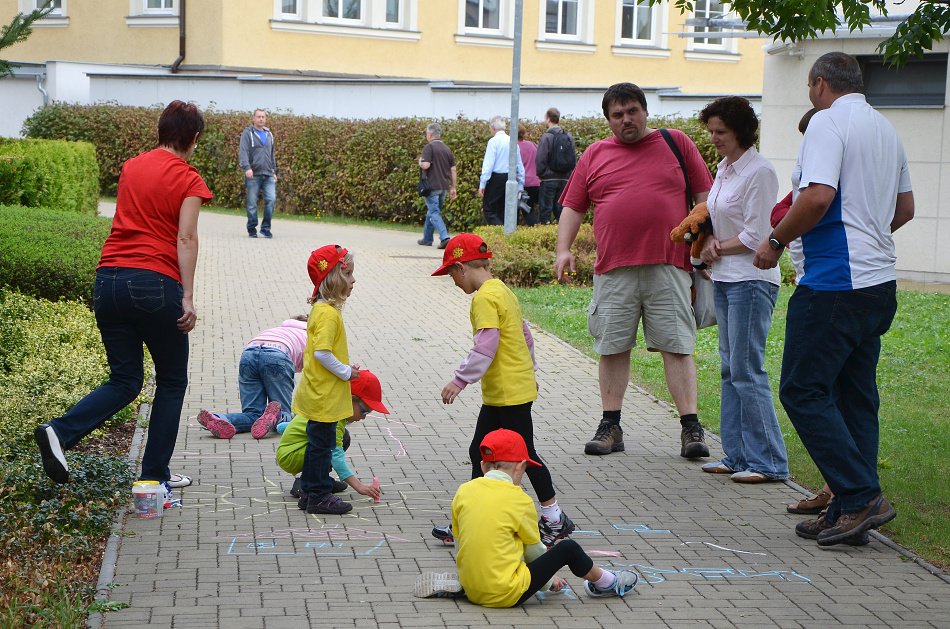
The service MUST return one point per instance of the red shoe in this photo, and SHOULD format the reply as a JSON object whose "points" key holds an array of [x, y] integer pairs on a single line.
{"points": [[266, 422], [220, 428]]}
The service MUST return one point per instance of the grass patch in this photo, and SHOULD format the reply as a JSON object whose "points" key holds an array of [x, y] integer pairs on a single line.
{"points": [[914, 388]]}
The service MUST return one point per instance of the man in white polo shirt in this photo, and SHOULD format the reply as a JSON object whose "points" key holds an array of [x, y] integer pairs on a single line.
{"points": [[852, 191]]}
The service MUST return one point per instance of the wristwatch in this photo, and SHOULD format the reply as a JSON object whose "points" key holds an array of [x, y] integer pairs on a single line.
{"points": [[774, 243]]}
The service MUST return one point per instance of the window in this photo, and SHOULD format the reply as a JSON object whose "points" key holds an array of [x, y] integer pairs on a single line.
{"points": [[483, 14], [392, 11], [709, 9], [152, 14], [289, 8], [640, 29], [920, 83], [56, 17], [561, 17], [160, 6], [342, 9], [636, 21], [57, 6]]}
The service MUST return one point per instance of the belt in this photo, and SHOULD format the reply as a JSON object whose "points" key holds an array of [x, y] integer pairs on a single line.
{"points": [[268, 345]]}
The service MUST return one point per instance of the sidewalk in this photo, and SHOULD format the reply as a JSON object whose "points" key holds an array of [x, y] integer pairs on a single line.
{"points": [[239, 554]]}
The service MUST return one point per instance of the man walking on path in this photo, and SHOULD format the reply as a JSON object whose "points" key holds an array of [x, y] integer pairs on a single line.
{"points": [[256, 157], [555, 161], [638, 191], [439, 163], [852, 191], [491, 185]]}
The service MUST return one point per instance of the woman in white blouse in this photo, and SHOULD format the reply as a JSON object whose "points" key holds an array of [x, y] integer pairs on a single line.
{"points": [[740, 204]]}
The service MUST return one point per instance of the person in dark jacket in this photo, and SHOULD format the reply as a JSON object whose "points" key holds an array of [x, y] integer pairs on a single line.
{"points": [[256, 157], [552, 182]]}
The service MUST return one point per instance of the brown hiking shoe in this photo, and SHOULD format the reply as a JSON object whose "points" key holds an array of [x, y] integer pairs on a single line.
{"points": [[811, 529], [693, 442], [849, 525], [607, 439]]}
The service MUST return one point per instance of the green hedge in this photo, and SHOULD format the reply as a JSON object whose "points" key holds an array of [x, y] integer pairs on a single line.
{"points": [[526, 257], [50, 173], [327, 166], [51, 254]]}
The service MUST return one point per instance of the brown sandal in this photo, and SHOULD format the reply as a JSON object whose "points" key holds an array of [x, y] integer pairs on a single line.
{"points": [[812, 505]]}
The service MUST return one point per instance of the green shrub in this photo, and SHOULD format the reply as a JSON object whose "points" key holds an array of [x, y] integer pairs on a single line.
{"points": [[51, 254], [51, 173], [526, 257], [326, 166]]}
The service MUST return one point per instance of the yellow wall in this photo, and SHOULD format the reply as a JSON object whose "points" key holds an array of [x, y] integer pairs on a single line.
{"points": [[241, 36]]}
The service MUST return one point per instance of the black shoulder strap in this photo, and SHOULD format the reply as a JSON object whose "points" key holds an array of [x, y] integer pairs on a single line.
{"points": [[679, 157]]}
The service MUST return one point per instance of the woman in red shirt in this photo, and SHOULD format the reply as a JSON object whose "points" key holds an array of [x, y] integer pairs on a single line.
{"points": [[144, 294]]}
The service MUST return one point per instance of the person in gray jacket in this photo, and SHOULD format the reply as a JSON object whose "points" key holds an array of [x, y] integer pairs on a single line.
{"points": [[552, 179], [256, 157]]}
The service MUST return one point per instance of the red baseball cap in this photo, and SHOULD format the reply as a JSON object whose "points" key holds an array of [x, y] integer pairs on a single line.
{"points": [[322, 261], [505, 445], [462, 248], [368, 389]]}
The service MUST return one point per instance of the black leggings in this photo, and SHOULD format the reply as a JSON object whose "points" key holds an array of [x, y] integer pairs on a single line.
{"points": [[518, 419], [565, 553]]}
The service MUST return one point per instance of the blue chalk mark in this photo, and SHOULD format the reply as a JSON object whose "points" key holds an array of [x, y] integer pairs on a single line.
{"points": [[638, 528], [255, 548], [566, 591], [659, 575]]}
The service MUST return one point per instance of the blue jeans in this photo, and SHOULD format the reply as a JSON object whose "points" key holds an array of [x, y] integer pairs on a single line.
{"points": [[317, 458], [253, 186], [435, 201], [829, 385], [135, 306], [548, 196], [264, 374], [751, 437]]}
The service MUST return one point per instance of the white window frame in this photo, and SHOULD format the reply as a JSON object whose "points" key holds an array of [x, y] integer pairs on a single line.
{"points": [[140, 16], [543, 25], [582, 42], [399, 13], [329, 19], [657, 46], [727, 51], [501, 37], [163, 10], [371, 25], [56, 18]]}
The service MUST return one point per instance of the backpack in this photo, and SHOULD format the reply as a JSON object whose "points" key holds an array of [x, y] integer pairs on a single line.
{"points": [[562, 157]]}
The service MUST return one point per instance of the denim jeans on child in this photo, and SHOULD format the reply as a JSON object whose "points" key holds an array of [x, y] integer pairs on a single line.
{"points": [[751, 437], [135, 306], [264, 374], [435, 201], [315, 475], [829, 385], [254, 185]]}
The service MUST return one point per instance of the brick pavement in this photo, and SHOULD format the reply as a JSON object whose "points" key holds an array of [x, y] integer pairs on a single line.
{"points": [[240, 554]]}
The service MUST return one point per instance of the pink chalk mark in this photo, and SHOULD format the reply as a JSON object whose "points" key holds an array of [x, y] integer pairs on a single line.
{"points": [[403, 453], [403, 423], [609, 553]]}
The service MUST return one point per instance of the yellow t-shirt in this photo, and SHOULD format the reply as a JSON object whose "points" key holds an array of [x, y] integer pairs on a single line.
{"points": [[493, 521], [510, 378], [321, 396]]}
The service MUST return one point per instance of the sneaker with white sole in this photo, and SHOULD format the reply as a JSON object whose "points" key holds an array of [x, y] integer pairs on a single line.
{"points": [[438, 585], [51, 450], [625, 581], [550, 534], [267, 421]]}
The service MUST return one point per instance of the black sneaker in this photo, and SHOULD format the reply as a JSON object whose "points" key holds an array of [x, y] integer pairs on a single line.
{"points": [[296, 490], [607, 439], [328, 503], [302, 499], [443, 243], [339, 486], [51, 450], [423, 243], [693, 442], [444, 533], [551, 534]]}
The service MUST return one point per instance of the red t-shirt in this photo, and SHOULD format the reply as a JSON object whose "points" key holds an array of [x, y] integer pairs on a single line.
{"points": [[144, 232], [639, 196]]}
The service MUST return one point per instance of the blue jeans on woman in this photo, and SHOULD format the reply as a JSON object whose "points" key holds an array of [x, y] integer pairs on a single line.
{"points": [[135, 306], [264, 374], [435, 200], [751, 437]]}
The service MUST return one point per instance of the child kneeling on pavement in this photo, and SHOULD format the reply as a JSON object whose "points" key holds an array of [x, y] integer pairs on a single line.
{"points": [[494, 522]]}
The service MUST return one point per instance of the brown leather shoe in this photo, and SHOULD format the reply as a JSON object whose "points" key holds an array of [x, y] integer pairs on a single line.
{"points": [[812, 505], [693, 442], [607, 439], [811, 529], [877, 513]]}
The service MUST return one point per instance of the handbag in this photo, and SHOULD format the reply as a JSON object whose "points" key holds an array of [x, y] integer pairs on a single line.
{"points": [[424, 187], [704, 304]]}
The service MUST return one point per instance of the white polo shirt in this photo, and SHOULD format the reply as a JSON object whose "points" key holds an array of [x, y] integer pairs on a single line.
{"points": [[856, 151]]}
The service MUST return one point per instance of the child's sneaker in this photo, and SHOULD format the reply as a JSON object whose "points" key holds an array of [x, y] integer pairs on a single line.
{"points": [[220, 428], [302, 499], [444, 533], [625, 580], [295, 491], [328, 503], [438, 585], [281, 427], [551, 534], [266, 422]]}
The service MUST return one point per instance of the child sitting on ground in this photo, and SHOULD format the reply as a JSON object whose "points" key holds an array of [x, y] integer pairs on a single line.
{"points": [[367, 395], [494, 524], [503, 359], [266, 372]]}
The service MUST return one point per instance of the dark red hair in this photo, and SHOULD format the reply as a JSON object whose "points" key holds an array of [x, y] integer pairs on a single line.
{"points": [[179, 124]]}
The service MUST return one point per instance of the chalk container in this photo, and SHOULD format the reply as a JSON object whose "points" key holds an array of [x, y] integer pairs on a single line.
{"points": [[149, 497]]}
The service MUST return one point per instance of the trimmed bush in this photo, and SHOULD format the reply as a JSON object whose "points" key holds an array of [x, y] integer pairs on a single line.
{"points": [[51, 173], [51, 254], [526, 257], [326, 166]]}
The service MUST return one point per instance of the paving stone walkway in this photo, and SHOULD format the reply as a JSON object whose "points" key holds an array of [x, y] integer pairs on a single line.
{"points": [[239, 554]]}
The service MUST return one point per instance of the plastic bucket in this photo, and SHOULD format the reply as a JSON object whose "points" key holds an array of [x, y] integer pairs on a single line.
{"points": [[149, 497]]}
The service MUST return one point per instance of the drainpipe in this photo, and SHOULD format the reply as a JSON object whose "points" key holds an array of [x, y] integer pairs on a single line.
{"points": [[39, 86], [181, 36]]}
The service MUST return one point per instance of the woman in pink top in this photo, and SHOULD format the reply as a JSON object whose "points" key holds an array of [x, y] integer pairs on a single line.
{"points": [[532, 185], [266, 372]]}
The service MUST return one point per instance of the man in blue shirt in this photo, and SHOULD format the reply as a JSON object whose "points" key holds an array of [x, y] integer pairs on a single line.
{"points": [[491, 186], [256, 157]]}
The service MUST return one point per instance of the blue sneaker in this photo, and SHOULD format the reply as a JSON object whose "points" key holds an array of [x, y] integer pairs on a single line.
{"points": [[624, 581], [281, 427], [267, 234], [252, 234]]}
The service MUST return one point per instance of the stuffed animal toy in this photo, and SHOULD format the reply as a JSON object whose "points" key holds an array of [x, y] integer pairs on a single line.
{"points": [[694, 229]]}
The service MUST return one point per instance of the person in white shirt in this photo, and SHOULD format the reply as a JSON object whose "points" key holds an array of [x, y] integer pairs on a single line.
{"points": [[491, 184], [853, 192], [740, 204]]}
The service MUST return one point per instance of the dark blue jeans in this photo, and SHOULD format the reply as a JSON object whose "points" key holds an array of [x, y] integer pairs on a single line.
{"points": [[263, 374], [548, 196], [315, 475], [829, 385], [136, 306]]}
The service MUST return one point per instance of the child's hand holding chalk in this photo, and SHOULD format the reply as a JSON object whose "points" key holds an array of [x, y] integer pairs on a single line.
{"points": [[367, 490], [376, 487]]}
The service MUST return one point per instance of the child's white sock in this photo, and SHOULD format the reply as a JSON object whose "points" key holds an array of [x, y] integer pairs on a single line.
{"points": [[606, 580], [551, 512]]}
